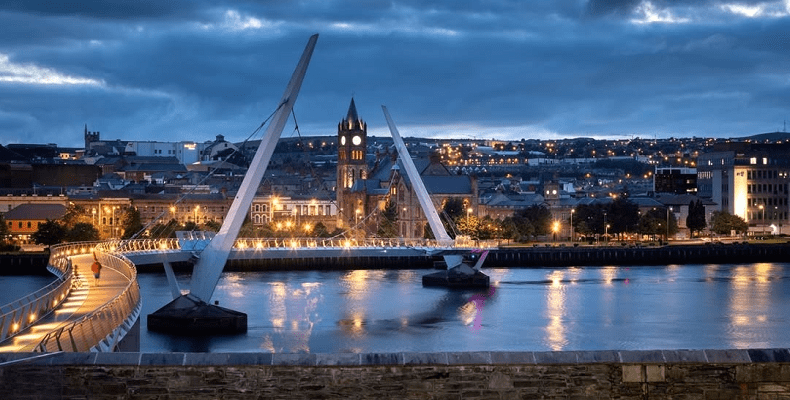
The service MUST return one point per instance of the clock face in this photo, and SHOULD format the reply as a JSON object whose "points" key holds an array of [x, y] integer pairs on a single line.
{"points": [[342, 140], [356, 140]]}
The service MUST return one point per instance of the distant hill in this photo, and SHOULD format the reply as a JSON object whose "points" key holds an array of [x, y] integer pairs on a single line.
{"points": [[771, 136]]}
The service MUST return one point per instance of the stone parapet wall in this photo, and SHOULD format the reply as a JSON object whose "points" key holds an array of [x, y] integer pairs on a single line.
{"points": [[687, 374]]}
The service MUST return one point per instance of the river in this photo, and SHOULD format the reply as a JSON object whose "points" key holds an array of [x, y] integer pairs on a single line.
{"points": [[536, 309]]}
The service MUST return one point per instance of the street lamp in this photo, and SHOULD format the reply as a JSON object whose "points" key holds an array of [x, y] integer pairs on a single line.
{"points": [[555, 227], [762, 229], [668, 210], [606, 232], [573, 210]]}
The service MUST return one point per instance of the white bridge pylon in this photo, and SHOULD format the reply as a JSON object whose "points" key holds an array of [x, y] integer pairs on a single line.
{"points": [[442, 237], [209, 266]]}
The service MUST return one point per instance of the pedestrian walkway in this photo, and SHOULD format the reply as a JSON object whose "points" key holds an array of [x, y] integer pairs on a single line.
{"points": [[85, 297]]}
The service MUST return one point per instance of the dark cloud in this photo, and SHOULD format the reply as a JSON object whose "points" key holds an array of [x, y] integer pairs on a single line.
{"points": [[192, 70], [607, 7], [103, 9]]}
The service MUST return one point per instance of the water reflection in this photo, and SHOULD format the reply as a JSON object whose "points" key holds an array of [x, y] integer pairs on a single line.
{"points": [[750, 303], [292, 314], [590, 308], [555, 311]]}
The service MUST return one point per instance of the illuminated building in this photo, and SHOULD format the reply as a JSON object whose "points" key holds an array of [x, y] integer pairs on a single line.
{"points": [[675, 180], [749, 180], [352, 136]]}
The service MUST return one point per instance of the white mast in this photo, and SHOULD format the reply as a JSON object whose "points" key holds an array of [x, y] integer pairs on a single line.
{"points": [[442, 238], [209, 266]]}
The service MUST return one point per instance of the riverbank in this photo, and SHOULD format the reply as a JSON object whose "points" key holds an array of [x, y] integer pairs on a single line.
{"points": [[538, 256], [24, 263], [543, 255]]}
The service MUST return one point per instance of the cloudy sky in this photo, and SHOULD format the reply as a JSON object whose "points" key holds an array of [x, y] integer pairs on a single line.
{"points": [[507, 69]]}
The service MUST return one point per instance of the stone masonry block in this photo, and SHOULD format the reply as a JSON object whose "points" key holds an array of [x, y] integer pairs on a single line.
{"points": [[633, 373], [655, 373]]}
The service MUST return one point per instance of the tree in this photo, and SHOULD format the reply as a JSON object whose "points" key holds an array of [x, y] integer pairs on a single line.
{"points": [[489, 228], [589, 219], [212, 226], [534, 220], [453, 210], [723, 223], [695, 220], [320, 230], [165, 230], [74, 215], [509, 229], [5, 243], [469, 226], [654, 222], [388, 227], [3, 228], [49, 233], [130, 222], [622, 215], [82, 232]]}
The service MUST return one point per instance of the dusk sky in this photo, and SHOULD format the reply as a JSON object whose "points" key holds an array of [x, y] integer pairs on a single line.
{"points": [[171, 70]]}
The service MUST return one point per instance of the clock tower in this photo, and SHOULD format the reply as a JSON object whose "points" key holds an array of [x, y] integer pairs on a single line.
{"points": [[352, 141]]}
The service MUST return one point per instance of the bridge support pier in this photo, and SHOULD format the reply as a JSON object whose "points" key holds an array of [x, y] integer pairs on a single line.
{"points": [[188, 315]]}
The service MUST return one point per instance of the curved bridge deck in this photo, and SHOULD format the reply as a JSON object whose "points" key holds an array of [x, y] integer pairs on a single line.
{"points": [[85, 297]]}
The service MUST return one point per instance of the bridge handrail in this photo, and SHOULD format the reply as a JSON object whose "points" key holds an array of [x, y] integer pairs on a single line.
{"points": [[154, 245], [105, 326], [16, 316]]}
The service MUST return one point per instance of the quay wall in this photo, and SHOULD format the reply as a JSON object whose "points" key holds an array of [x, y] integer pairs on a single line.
{"points": [[681, 374], [538, 256], [632, 255], [22, 263]]}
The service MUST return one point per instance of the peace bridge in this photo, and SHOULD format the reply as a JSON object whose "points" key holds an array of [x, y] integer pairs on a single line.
{"points": [[73, 314]]}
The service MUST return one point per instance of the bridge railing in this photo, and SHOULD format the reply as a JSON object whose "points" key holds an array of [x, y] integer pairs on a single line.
{"points": [[309, 242], [22, 313], [104, 327], [156, 245], [140, 245]]}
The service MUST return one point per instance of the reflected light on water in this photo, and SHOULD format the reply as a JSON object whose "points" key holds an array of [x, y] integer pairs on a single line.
{"points": [[354, 326], [406, 276], [750, 301], [555, 312], [711, 270], [291, 313], [233, 284], [467, 313], [608, 274]]}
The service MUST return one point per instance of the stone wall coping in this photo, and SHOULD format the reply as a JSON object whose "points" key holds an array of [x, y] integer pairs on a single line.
{"points": [[710, 356]]}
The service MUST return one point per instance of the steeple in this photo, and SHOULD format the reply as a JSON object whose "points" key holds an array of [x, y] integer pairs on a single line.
{"points": [[352, 116]]}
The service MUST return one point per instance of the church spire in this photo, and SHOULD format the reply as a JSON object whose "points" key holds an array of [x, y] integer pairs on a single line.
{"points": [[352, 116]]}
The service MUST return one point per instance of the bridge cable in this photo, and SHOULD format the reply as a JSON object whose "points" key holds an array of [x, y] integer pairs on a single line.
{"points": [[208, 175]]}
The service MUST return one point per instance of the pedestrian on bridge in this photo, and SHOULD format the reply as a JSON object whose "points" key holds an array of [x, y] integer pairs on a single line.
{"points": [[96, 269]]}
